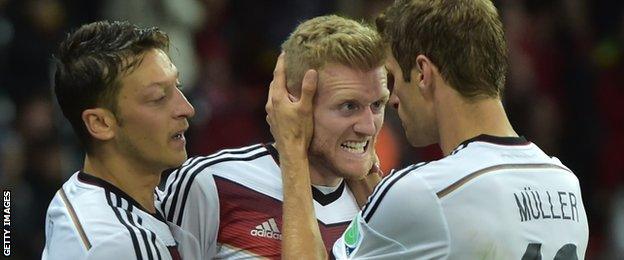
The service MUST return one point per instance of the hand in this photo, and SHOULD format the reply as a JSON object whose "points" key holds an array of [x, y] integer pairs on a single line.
{"points": [[364, 187], [291, 119]]}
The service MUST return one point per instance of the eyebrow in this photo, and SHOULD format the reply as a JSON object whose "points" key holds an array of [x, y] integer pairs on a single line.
{"points": [[165, 83]]}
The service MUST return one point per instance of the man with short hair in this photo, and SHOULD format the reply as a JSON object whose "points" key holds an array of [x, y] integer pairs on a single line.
{"points": [[232, 200], [119, 90], [494, 195]]}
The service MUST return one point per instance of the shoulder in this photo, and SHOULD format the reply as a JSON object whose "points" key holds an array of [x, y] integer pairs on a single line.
{"points": [[219, 163], [393, 191], [202, 177]]}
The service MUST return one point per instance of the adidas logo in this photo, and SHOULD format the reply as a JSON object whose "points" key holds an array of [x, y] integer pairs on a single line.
{"points": [[268, 229]]}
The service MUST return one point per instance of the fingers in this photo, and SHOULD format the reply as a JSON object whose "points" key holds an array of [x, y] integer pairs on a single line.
{"points": [[308, 88]]}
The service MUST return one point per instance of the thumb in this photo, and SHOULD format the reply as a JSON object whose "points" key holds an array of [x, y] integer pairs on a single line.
{"points": [[308, 88]]}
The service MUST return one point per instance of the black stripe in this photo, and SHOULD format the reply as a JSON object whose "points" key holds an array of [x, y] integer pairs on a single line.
{"points": [[385, 190], [133, 224], [135, 242], [381, 184], [155, 245], [164, 200], [500, 140], [107, 186], [273, 152], [181, 175], [148, 247], [198, 170], [325, 199]]}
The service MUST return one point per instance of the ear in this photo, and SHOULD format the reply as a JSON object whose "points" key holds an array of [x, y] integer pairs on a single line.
{"points": [[425, 75], [100, 123]]}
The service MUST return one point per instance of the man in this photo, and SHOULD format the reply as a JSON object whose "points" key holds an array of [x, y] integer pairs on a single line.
{"points": [[493, 196], [119, 90], [232, 200]]}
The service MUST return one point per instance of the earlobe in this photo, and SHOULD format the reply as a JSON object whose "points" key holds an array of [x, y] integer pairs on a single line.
{"points": [[100, 123]]}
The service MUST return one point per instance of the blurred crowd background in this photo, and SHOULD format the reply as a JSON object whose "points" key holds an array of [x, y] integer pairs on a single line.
{"points": [[564, 90]]}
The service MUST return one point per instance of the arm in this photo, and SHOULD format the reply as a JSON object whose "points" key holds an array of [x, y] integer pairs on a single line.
{"points": [[291, 126]]}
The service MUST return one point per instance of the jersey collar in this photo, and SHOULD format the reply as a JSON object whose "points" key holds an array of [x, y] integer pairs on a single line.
{"points": [[499, 140], [317, 195], [92, 180]]}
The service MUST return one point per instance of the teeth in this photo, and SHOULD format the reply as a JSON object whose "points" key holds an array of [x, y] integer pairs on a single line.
{"points": [[354, 147]]}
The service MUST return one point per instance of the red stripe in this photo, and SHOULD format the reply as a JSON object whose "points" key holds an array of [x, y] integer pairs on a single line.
{"points": [[242, 209]]}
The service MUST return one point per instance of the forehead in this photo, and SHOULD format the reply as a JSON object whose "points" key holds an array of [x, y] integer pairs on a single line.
{"points": [[338, 79], [154, 68]]}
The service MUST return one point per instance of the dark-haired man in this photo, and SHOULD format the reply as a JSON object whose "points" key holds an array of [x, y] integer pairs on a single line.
{"points": [[119, 90], [494, 195]]}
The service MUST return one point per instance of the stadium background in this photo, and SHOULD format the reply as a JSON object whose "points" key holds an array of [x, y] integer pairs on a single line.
{"points": [[563, 90]]}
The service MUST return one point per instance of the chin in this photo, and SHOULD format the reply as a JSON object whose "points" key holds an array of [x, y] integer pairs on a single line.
{"points": [[177, 161], [354, 171]]}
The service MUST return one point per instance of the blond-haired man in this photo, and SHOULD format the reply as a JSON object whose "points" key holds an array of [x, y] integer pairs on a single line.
{"points": [[494, 195], [232, 200]]}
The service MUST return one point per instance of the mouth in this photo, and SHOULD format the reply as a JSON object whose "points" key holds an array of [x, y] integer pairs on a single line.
{"points": [[178, 136], [355, 147]]}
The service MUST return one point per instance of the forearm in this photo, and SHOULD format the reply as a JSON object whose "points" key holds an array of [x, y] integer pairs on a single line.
{"points": [[301, 238]]}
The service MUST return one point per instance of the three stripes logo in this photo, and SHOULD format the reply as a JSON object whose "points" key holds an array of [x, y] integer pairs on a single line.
{"points": [[267, 229]]}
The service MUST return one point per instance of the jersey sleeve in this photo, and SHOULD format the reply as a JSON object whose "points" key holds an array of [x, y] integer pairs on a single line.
{"points": [[190, 200], [402, 219]]}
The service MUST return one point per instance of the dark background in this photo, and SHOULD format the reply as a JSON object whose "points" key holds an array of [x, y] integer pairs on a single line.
{"points": [[564, 91]]}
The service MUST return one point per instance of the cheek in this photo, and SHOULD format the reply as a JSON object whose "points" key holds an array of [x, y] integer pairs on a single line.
{"points": [[379, 119]]}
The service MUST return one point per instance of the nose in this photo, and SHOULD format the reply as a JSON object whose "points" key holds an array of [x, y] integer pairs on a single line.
{"points": [[183, 107], [394, 100], [365, 124]]}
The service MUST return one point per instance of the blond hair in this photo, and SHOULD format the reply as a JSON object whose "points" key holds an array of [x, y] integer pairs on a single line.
{"points": [[330, 39]]}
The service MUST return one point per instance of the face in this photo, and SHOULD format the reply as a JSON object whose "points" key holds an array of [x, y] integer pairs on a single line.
{"points": [[153, 114], [348, 114], [416, 113]]}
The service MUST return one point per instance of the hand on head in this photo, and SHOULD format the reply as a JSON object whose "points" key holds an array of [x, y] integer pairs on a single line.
{"points": [[291, 119]]}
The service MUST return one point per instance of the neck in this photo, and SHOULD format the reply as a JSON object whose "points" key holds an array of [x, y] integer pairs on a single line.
{"points": [[136, 181], [460, 119], [321, 174]]}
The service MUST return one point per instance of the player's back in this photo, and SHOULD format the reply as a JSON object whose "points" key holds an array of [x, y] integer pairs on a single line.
{"points": [[506, 199], [491, 198]]}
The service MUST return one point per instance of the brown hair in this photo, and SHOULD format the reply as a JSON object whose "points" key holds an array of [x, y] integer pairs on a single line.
{"points": [[463, 38], [328, 39], [89, 63]]}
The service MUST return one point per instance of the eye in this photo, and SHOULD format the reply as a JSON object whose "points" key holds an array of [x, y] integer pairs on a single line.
{"points": [[160, 99], [348, 107], [378, 106]]}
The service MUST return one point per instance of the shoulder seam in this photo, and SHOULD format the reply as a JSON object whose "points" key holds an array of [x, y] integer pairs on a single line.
{"points": [[74, 218], [494, 168]]}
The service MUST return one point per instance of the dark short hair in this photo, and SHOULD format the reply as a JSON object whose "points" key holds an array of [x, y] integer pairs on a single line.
{"points": [[463, 38], [90, 62]]}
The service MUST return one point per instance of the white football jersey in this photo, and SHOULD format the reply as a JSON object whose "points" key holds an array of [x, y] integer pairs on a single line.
{"points": [[491, 198], [90, 218], [232, 202]]}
